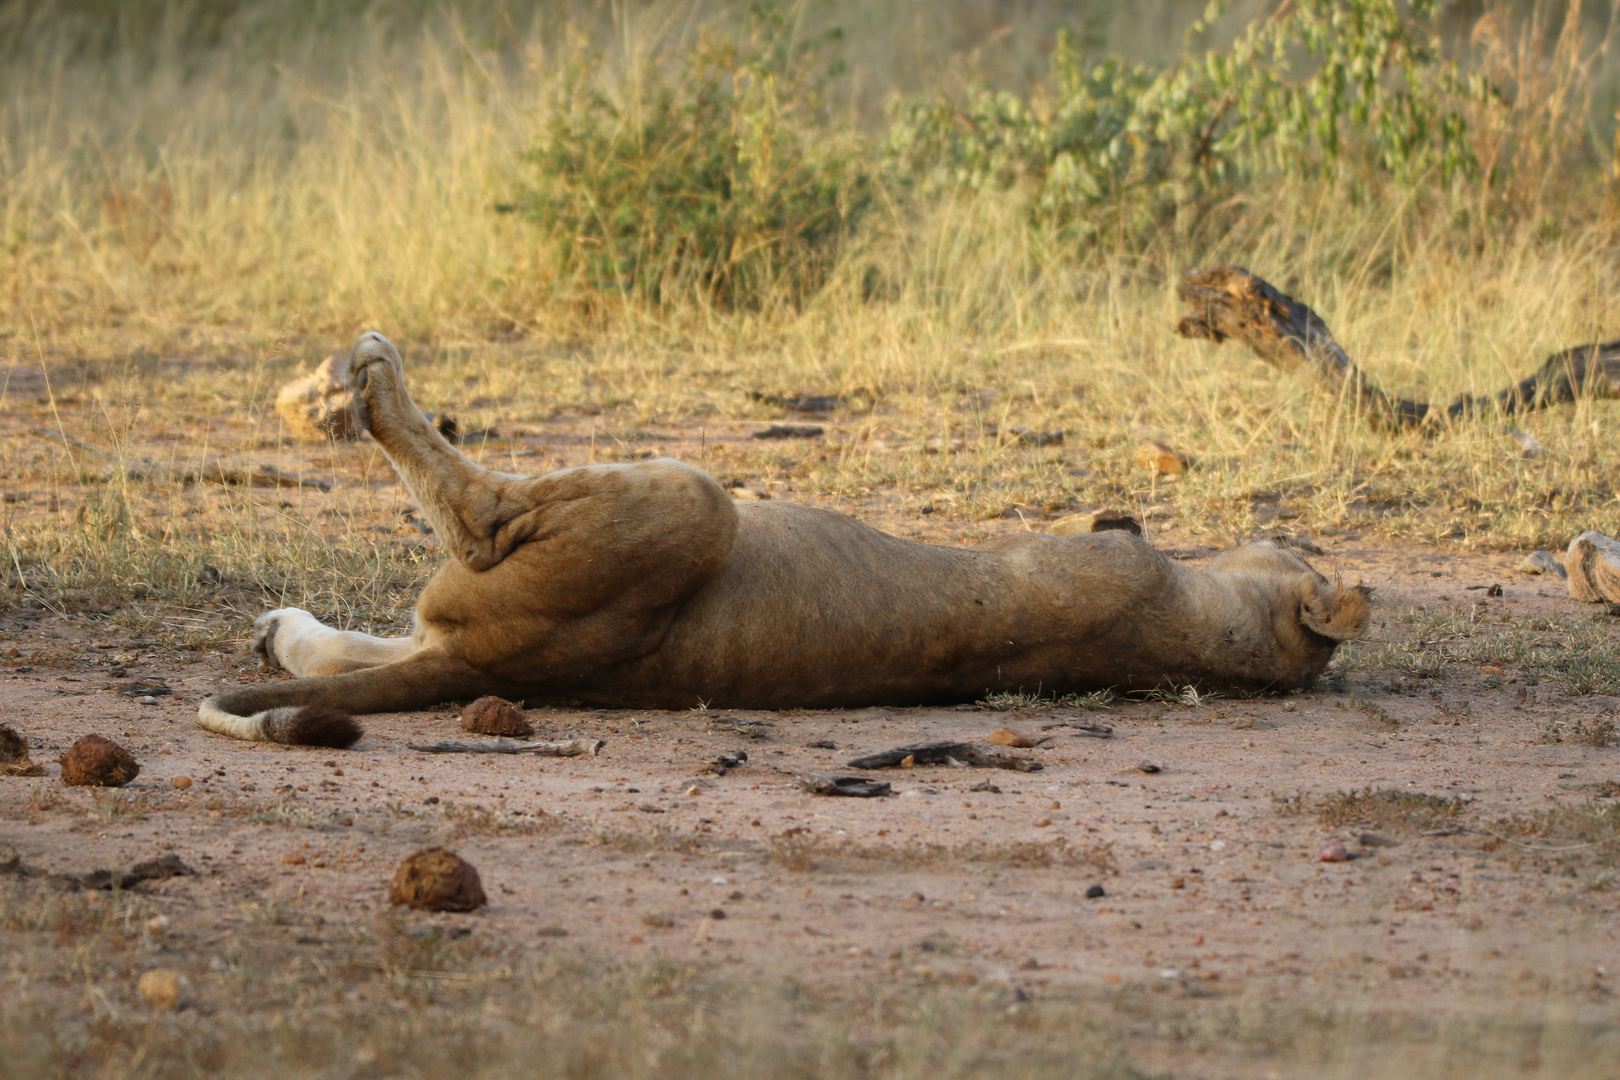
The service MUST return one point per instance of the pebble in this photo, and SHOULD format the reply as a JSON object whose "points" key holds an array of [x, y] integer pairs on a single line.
{"points": [[1041, 823], [147, 699], [292, 858], [1156, 457], [1148, 767], [1333, 851], [180, 782], [1095, 891]]}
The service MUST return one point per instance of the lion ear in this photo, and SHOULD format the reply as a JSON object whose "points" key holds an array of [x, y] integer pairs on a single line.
{"points": [[1342, 615]]}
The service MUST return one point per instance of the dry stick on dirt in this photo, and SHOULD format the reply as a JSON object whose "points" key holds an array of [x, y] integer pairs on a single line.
{"points": [[1229, 302], [564, 748]]}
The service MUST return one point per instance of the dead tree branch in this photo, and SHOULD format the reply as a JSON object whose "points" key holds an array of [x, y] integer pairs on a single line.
{"points": [[1229, 302]]}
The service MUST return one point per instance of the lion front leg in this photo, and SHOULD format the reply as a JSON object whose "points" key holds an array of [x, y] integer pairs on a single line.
{"points": [[293, 639]]}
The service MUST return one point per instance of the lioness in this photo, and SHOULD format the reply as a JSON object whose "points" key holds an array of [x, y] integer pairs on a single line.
{"points": [[645, 585]]}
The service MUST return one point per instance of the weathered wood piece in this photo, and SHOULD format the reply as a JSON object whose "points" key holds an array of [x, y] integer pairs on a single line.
{"points": [[944, 753], [1593, 564], [1229, 302], [562, 748], [857, 787]]}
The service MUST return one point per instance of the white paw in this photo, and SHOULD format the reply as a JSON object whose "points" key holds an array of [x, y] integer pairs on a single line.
{"points": [[268, 626]]}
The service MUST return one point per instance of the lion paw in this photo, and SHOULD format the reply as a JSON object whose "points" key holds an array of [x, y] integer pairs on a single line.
{"points": [[265, 628]]}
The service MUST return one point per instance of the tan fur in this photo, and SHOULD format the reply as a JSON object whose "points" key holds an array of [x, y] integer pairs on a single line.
{"points": [[646, 585]]}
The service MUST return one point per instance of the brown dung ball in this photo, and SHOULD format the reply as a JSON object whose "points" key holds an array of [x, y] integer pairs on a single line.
{"points": [[436, 880], [496, 716], [14, 755], [94, 761]]}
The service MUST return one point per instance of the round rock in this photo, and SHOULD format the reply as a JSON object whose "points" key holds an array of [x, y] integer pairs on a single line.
{"points": [[436, 880], [95, 761]]}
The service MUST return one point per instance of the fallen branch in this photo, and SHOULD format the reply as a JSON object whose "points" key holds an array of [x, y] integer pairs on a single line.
{"points": [[946, 753], [857, 787], [1229, 302], [564, 748]]}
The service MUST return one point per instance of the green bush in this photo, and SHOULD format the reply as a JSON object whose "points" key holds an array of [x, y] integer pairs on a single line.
{"points": [[1378, 98], [727, 182]]}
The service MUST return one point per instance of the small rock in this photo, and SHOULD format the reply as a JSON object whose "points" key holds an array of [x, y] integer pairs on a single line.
{"points": [[551, 931], [146, 700], [717, 913], [1095, 891], [180, 782], [1041, 823], [1156, 457], [293, 858], [161, 988], [822, 744], [658, 920], [435, 879], [1148, 767], [1372, 839], [1009, 737], [1529, 448], [1333, 851], [95, 761], [986, 786], [909, 761], [1542, 562], [492, 715]]}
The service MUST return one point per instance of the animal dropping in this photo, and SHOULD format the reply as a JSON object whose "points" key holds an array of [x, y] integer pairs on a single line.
{"points": [[96, 761], [14, 760], [492, 715], [436, 879]]}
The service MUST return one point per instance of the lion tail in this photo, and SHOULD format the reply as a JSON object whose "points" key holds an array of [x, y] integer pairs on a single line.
{"points": [[319, 711]]}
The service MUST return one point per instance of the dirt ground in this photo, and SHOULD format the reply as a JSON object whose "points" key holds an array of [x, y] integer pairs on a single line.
{"points": [[1172, 852]]}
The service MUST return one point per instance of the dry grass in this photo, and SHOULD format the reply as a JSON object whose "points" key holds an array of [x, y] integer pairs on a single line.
{"points": [[383, 995], [1384, 808]]}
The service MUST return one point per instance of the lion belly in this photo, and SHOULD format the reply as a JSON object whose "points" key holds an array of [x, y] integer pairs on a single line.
{"points": [[815, 609]]}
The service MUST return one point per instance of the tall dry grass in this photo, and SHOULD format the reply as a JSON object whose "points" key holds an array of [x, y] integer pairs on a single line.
{"points": [[244, 187]]}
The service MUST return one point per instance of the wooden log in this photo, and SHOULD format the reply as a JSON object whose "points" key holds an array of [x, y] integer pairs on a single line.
{"points": [[1593, 564], [1229, 302], [945, 753]]}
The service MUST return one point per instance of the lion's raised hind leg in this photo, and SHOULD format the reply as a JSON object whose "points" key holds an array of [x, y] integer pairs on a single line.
{"points": [[293, 639], [469, 506]]}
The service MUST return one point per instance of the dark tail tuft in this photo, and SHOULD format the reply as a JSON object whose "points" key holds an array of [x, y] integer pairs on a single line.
{"points": [[318, 725]]}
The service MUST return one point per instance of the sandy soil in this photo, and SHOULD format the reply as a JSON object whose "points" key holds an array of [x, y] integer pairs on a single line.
{"points": [[1210, 888]]}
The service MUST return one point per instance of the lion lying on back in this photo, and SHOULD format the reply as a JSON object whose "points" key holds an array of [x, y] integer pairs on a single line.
{"points": [[645, 585]]}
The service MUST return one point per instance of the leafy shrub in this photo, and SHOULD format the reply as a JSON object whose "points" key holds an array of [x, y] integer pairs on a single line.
{"points": [[1378, 97], [728, 182]]}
